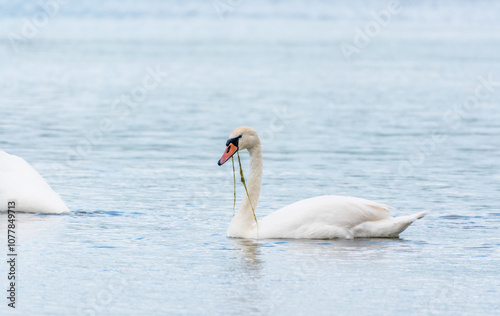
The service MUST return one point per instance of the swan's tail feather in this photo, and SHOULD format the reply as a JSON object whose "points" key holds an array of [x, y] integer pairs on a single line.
{"points": [[421, 214], [389, 227], [402, 222], [410, 218]]}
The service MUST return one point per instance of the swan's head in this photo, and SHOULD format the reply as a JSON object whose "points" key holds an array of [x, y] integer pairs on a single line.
{"points": [[241, 138]]}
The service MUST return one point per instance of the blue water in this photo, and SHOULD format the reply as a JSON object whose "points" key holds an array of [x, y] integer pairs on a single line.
{"points": [[397, 123]]}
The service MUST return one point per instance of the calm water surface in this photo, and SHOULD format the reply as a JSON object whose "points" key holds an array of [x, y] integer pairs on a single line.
{"points": [[150, 206]]}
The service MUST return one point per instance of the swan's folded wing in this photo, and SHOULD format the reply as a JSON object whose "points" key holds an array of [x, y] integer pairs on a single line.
{"points": [[22, 183], [340, 211], [17, 170]]}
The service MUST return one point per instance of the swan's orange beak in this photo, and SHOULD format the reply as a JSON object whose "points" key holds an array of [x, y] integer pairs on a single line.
{"points": [[231, 149]]}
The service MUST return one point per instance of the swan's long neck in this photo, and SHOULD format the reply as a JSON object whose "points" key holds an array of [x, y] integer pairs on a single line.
{"points": [[243, 222]]}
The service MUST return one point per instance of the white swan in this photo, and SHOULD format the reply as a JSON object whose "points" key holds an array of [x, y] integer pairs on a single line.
{"points": [[322, 217], [20, 183]]}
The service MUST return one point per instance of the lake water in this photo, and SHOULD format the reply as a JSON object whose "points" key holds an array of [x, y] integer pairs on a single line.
{"points": [[398, 123]]}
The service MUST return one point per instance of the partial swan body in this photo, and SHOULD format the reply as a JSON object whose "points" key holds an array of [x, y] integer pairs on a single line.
{"points": [[322, 217], [22, 184]]}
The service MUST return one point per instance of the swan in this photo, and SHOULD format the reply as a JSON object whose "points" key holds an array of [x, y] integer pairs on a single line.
{"points": [[322, 217], [22, 184]]}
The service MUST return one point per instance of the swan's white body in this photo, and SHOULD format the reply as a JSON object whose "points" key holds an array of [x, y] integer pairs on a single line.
{"points": [[20, 183], [323, 217], [328, 217]]}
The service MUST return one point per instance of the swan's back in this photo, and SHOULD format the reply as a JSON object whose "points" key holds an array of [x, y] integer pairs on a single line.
{"points": [[327, 216], [21, 183]]}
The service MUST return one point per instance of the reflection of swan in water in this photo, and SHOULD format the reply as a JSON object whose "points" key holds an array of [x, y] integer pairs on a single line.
{"points": [[21, 183], [311, 250], [250, 254], [322, 217]]}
